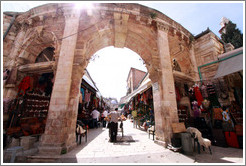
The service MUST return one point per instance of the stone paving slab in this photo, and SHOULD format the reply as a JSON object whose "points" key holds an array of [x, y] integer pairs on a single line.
{"points": [[136, 147]]}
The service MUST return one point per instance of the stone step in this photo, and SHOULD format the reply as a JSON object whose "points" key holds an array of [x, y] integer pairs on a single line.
{"points": [[42, 159]]}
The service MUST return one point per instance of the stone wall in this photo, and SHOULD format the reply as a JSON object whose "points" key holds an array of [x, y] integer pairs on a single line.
{"points": [[207, 48]]}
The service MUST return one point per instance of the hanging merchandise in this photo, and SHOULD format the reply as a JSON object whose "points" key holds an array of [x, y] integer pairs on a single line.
{"points": [[191, 94], [177, 94], [144, 98], [83, 93], [217, 114], [87, 96], [196, 109], [204, 91], [198, 94], [212, 95], [95, 103], [138, 97], [24, 85]]}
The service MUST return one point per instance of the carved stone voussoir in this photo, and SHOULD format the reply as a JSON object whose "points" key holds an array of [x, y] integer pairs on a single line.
{"points": [[162, 26]]}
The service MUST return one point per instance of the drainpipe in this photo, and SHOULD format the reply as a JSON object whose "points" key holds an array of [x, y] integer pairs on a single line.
{"points": [[207, 64], [10, 25]]}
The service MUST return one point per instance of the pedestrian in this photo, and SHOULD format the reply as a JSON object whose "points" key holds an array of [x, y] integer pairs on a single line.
{"points": [[134, 115], [104, 115], [114, 124], [95, 117]]}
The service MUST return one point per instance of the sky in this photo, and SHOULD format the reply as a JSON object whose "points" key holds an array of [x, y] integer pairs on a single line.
{"points": [[111, 66]]}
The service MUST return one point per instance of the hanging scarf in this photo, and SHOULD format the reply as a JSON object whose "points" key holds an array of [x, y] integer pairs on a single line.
{"points": [[198, 95]]}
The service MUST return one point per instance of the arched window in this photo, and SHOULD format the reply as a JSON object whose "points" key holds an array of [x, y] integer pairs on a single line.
{"points": [[46, 55]]}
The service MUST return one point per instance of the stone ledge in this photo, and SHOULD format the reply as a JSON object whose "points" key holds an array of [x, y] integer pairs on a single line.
{"points": [[162, 143]]}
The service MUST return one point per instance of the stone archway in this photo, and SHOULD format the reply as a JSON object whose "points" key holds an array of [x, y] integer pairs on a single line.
{"points": [[83, 32]]}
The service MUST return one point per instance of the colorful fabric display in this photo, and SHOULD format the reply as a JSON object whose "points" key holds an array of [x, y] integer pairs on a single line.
{"points": [[87, 96], [24, 85], [83, 93], [198, 95], [196, 109], [204, 91], [217, 114]]}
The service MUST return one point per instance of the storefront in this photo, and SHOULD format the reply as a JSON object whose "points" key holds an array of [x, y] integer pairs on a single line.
{"points": [[26, 114], [215, 107], [90, 98]]}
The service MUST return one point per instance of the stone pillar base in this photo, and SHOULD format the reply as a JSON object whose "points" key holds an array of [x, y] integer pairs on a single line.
{"points": [[160, 140], [49, 150], [55, 150]]}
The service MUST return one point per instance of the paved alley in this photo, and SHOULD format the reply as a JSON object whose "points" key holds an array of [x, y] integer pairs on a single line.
{"points": [[136, 147]]}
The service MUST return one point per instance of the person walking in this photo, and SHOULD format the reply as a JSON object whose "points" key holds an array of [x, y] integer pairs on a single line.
{"points": [[114, 124], [104, 115], [95, 117], [134, 115]]}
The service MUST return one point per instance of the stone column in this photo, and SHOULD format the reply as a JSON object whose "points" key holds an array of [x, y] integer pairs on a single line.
{"points": [[58, 124], [164, 90], [10, 90], [195, 74]]}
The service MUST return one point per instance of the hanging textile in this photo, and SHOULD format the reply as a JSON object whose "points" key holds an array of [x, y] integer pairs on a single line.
{"points": [[212, 95], [83, 93], [204, 91], [138, 98], [191, 94], [198, 95], [144, 98], [177, 94], [196, 109], [87, 96], [95, 101], [24, 85]]}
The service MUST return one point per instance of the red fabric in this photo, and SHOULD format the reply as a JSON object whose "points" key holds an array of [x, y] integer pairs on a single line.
{"points": [[24, 84], [231, 139], [177, 94], [139, 96], [198, 95]]}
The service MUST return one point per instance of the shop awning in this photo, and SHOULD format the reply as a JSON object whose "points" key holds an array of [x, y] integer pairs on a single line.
{"points": [[146, 85], [88, 81], [231, 62]]}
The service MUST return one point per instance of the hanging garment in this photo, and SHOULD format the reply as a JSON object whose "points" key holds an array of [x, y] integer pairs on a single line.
{"points": [[95, 101], [139, 96], [144, 98], [196, 109], [24, 85], [204, 91], [212, 95], [198, 95], [83, 93], [87, 96], [177, 94], [191, 94]]}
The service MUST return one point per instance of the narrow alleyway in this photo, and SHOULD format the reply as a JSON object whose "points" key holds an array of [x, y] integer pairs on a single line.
{"points": [[136, 147]]}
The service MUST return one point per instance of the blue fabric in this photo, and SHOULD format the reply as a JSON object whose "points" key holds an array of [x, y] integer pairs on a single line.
{"points": [[83, 93]]}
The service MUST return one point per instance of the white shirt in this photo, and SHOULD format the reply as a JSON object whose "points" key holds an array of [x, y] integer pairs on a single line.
{"points": [[95, 114], [105, 113], [114, 116]]}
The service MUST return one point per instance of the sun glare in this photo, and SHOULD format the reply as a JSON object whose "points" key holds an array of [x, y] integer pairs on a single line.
{"points": [[83, 5]]}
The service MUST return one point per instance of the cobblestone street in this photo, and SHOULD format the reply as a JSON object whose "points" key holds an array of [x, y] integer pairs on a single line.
{"points": [[136, 147]]}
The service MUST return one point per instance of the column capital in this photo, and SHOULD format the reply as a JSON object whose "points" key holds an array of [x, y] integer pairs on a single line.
{"points": [[162, 26], [70, 14]]}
